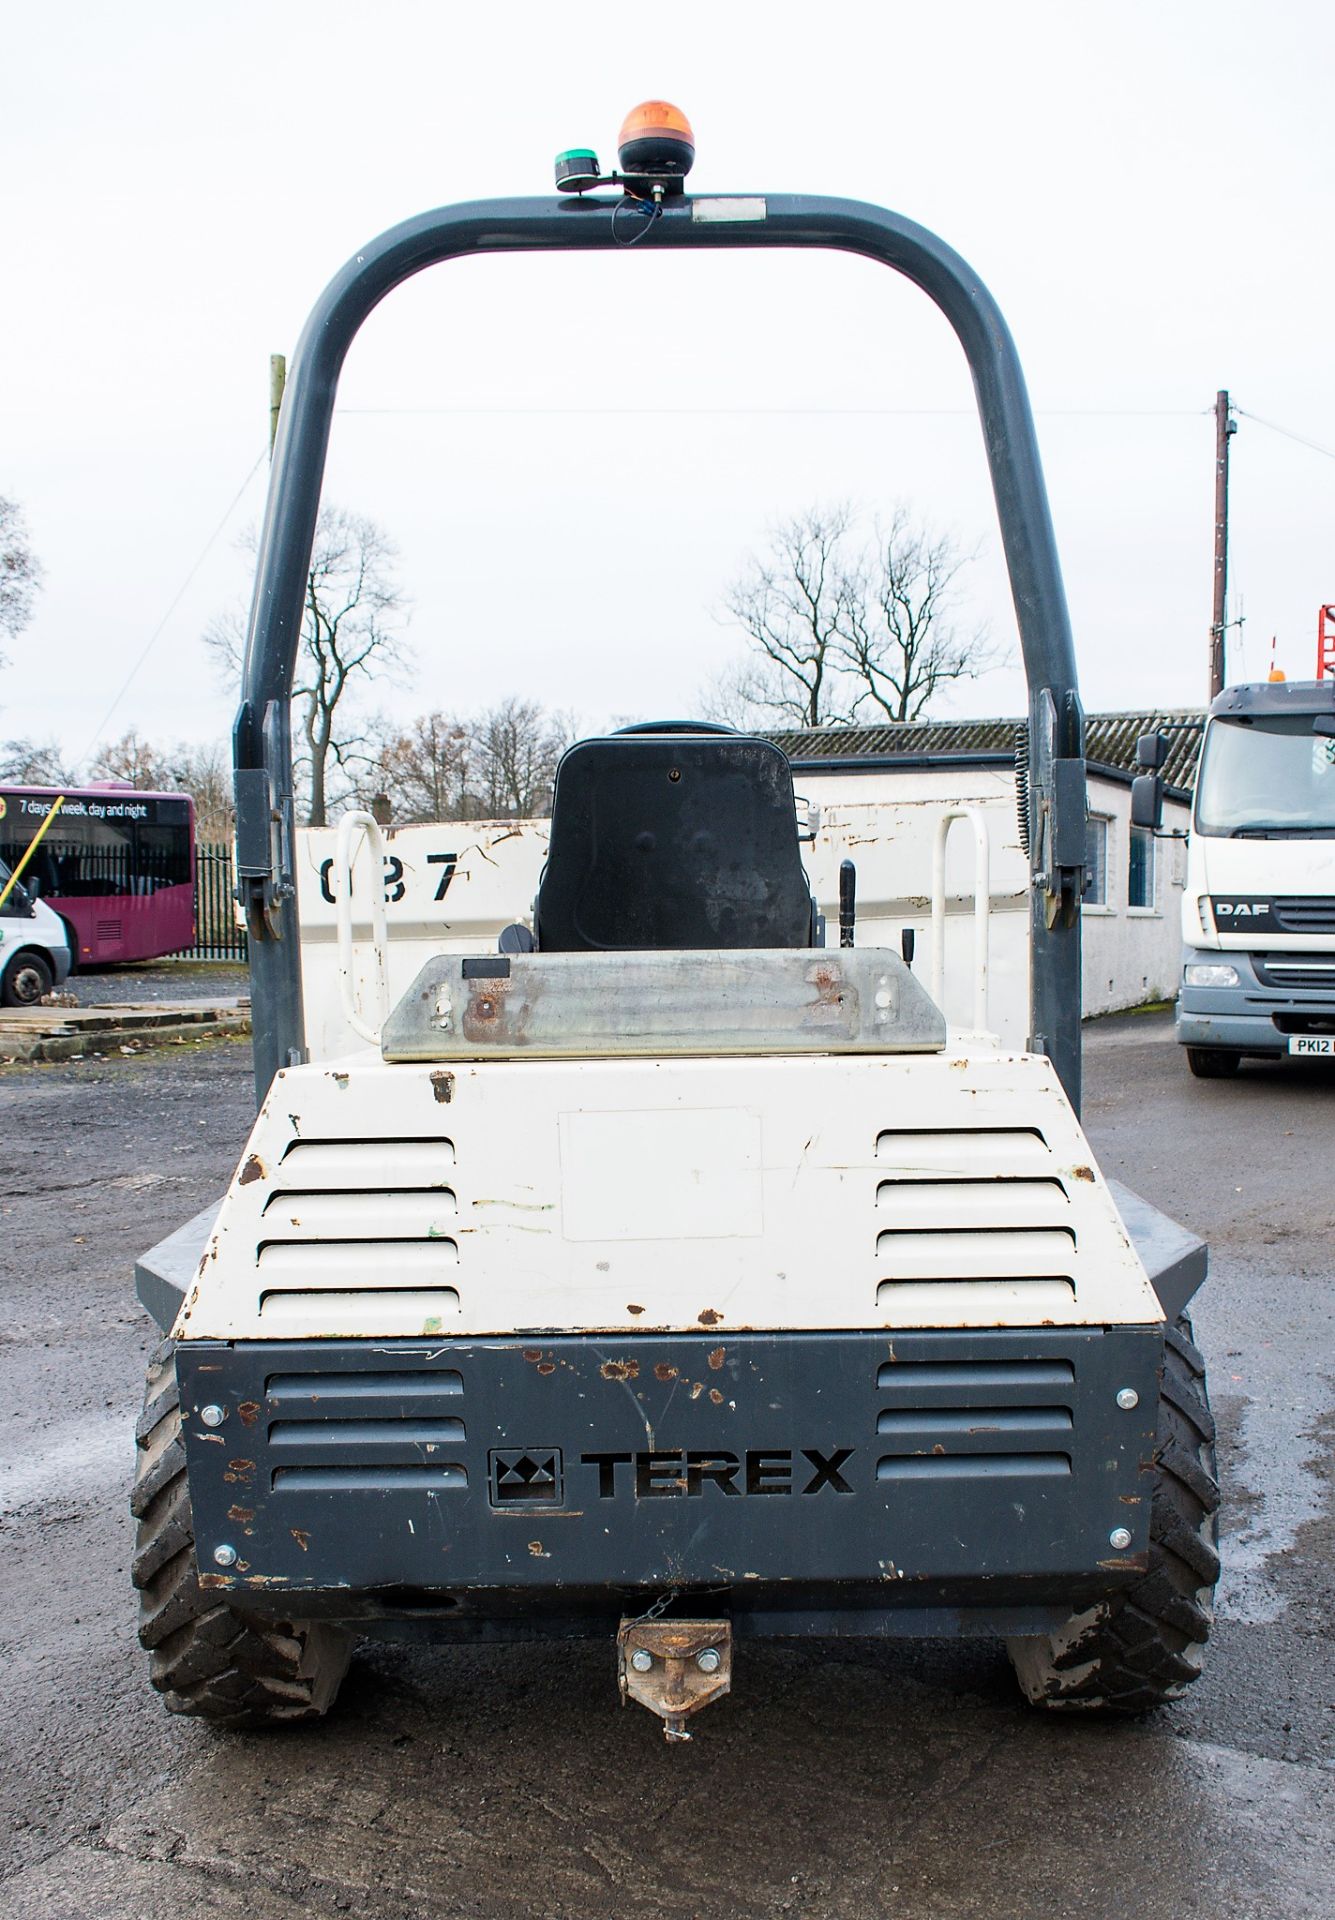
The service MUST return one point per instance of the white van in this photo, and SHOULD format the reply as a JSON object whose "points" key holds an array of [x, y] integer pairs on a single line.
{"points": [[34, 950]]}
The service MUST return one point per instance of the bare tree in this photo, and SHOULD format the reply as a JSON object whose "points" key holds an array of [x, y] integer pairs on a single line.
{"points": [[350, 622], [34, 763], [133, 760], [904, 640], [204, 771], [516, 746], [842, 629], [422, 768], [499, 764], [20, 571], [792, 603]]}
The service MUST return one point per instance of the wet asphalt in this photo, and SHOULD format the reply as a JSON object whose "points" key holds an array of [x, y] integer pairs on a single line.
{"points": [[855, 1779]]}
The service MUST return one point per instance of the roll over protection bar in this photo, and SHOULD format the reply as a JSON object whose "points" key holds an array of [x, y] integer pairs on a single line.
{"points": [[262, 751]]}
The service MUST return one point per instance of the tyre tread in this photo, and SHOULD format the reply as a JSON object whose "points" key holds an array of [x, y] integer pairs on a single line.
{"points": [[206, 1659], [1144, 1647]]}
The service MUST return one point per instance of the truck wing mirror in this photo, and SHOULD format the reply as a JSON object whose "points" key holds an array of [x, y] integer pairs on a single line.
{"points": [[1151, 752], [1147, 799]]}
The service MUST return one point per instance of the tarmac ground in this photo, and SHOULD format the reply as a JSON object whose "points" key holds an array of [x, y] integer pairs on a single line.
{"points": [[845, 1779]]}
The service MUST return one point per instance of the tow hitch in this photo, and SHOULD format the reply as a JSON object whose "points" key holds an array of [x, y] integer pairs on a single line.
{"points": [[674, 1667]]}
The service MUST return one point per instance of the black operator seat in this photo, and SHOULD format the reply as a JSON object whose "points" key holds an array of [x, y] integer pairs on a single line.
{"points": [[673, 836]]}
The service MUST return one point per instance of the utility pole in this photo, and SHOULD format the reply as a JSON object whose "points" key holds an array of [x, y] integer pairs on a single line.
{"points": [[277, 381], [1225, 426]]}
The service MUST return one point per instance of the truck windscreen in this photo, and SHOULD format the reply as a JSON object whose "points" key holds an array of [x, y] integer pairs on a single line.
{"points": [[1267, 775]]}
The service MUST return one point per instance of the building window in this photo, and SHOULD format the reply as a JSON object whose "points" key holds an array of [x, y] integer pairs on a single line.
{"points": [[1140, 869], [1096, 861]]}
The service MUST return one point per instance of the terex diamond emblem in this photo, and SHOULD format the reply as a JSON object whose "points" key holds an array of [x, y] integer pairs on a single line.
{"points": [[526, 1477]]}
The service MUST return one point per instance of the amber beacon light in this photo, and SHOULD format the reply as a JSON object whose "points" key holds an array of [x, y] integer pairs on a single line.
{"points": [[656, 148], [656, 142]]}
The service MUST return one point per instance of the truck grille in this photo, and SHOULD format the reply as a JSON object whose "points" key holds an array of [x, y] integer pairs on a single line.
{"points": [[1301, 970], [1305, 913], [968, 1212]]}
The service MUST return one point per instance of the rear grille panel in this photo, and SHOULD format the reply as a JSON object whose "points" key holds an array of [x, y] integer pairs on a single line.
{"points": [[911, 1461], [1009, 1418], [968, 1214], [377, 1430], [362, 1231]]}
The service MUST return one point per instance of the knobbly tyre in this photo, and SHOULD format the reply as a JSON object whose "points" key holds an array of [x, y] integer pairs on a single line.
{"points": [[665, 1274]]}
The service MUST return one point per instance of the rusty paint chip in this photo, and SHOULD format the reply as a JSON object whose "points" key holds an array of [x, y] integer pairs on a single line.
{"points": [[248, 1412], [254, 1169], [710, 1317], [716, 1396], [620, 1369], [717, 1358], [442, 1087], [665, 1371], [1082, 1173], [632, 1308], [302, 1538]]}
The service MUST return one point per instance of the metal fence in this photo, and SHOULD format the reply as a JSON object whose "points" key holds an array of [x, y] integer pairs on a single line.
{"points": [[217, 935]]}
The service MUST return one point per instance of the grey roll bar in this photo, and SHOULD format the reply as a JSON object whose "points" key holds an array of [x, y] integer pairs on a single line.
{"points": [[1053, 792]]}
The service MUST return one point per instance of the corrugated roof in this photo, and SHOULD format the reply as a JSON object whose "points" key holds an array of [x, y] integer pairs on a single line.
{"points": [[1110, 741]]}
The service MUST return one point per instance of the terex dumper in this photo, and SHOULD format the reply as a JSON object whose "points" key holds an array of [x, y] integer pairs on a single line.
{"points": [[669, 1274]]}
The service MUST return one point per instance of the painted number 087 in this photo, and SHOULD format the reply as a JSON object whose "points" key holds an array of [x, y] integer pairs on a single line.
{"points": [[394, 885]]}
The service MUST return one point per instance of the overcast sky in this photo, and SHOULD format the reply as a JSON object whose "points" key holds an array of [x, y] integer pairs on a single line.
{"points": [[1146, 188]]}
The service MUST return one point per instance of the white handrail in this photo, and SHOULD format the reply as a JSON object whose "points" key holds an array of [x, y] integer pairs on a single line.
{"points": [[345, 862], [982, 901]]}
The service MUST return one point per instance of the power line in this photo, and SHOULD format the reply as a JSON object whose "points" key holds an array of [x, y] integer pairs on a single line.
{"points": [[853, 413], [1287, 432], [176, 601]]}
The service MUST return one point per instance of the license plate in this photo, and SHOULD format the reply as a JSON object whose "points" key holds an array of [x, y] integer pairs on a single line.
{"points": [[1311, 1043]]}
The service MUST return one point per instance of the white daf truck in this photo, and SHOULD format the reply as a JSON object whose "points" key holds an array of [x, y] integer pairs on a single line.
{"points": [[1258, 910], [653, 1269]]}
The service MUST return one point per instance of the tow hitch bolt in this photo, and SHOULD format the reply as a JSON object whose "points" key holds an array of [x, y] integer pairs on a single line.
{"points": [[674, 1667]]}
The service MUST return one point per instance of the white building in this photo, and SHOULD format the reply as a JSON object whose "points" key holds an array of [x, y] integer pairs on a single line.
{"points": [[882, 792]]}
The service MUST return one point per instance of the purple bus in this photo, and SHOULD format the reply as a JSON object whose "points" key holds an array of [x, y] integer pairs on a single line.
{"points": [[117, 865]]}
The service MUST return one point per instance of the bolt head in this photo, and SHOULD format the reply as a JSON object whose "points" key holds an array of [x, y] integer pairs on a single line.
{"points": [[225, 1556], [641, 1660], [1120, 1537], [709, 1661], [1128, 1398], [212, 1415]]}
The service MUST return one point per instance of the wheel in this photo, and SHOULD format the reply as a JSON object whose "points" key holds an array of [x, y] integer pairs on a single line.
{"points": [[1213, 1063], [208, 1658], [27, 977], [1144, 1647]]}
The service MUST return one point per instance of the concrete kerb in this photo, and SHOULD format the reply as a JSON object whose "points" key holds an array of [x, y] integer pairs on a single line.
{"points": [[35, 1035]]}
